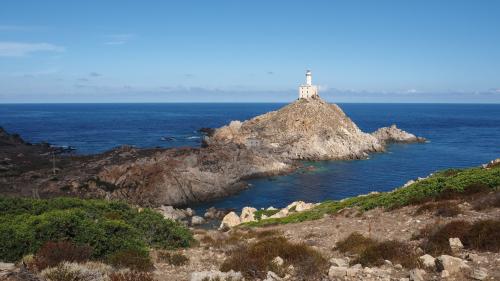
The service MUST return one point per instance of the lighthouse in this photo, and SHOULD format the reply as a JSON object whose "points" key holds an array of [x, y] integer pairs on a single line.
{"points": [[308, 90]]}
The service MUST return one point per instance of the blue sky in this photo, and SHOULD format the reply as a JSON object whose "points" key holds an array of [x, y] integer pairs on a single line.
{"points": [[249, 51]]}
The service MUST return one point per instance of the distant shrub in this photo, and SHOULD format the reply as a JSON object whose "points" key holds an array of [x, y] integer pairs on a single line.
{"points": [[77, 272], [487, 201], [131, 276], [106, 226], [53, 253], [133, 259], [255, 260], [441, 208]]}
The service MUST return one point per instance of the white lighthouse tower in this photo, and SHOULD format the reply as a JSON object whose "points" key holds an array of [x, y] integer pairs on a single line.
{"points": [[308, 90]]}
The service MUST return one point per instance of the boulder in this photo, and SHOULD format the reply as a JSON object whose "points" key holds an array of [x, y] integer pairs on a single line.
{"points": [[339, 262], [230, 220], [339, 272], [247, 214], [281, 214], [451, 264], [215, 275], [278, 261], [455, 244], [445, 274], [428, 261], [189, 212], [476, 258], [197, 220], [170, 212], [271, 276], [416, 275], [479, 273]]}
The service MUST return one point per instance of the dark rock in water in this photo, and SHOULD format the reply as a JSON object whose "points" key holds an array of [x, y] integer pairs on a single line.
{"points": [[7, 139], [168, 139], [207, 131]]}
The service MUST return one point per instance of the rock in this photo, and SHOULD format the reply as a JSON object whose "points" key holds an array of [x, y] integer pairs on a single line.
{"points": [[428, 261], [281, 214], [455, 244], [247, 214], [394, 134], [353, 271], [278, 261], [416, 275], [398, 266], [213, 213], [479, 273], [197, 220], [215, 275], [388, 262], [492, 163], [271, 276], [451, 264], [230, 220], [271, 208], [339, 262], [475, 258], [337, 272], [170, 212], [445, 274], [189, 212]]}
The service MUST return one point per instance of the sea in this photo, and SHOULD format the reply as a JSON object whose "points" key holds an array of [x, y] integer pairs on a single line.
{"points": [[459, 135]]}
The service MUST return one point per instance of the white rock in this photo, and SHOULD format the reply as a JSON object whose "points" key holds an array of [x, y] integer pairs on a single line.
{"points": [[271, 276], [416, 275], [398, 266], [170, 212], [189, 212], [337, 272], [428, 260], [214, 274], [445, 274], [476, 258], [271, 208], [339, 262], [278, 261], [450, 264], [479, 273], [247, 214], [302, 206], [230, 220], [455, 243], [7, 266], [281, 214], [353, 271], [196, 220]]}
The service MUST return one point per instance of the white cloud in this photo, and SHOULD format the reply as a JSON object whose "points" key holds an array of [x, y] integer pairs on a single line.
{"points": [[119, 39], [17, 49]]}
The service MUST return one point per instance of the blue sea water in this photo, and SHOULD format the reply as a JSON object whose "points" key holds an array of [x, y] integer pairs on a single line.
{"points": [[460, 135]]}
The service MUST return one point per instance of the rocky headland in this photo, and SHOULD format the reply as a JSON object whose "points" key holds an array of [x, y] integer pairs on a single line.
{"points": [[269, 144]]}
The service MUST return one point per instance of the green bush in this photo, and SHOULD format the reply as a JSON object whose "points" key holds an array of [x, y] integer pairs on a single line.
{"points": [[106, 226]]}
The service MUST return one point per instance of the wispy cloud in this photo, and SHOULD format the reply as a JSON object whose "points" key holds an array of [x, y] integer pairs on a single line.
{"points": [[119, 39], [94, 74], [18, 49]]}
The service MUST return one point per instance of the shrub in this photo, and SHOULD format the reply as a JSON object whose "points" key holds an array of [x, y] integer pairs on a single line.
{"points": [[487, 201], [483, 235], [442, 209], [355, 243], [436, 242], [53, 253], [395, 251], [176, 259], [106, 226], [133, 259], [77, 272], [258, 214], [131, 276], [255, 260]]}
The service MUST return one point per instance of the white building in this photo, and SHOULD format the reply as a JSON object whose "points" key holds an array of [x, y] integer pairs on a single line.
{"points": [[308, 90]]}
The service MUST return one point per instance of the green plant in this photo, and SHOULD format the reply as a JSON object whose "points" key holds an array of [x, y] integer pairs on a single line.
{"points": [[258, 214]]}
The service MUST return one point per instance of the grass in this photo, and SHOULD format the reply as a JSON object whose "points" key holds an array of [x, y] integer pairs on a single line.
{"points": [[370, 252], [255, 260], [176, 259], [442, 185], [258, 214], [445, 208]]}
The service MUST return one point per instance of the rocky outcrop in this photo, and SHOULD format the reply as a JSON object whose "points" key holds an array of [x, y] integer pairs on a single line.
{"points": [[394, 134]]}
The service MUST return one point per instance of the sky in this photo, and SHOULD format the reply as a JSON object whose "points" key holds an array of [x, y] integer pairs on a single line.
{"points": [[249, 51]]}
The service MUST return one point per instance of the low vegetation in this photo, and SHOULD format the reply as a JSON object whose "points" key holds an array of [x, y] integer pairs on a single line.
{"points": [[109, 230], [176, 259], [445, 208], [445, 185], [481, 235], [256, 259], [370, 252]]}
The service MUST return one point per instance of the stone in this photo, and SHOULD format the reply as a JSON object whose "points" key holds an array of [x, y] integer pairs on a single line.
{"points": [[451, 264], [170, 212], [230, 220], [281, 214], [7, 266], [271, 276], [247, 214], [337, 272], [339, 262], [428, 261], [278, 261], [416, 275], [214, 274], [479, 273], [197, 220], [455, 244], [302, 206], [189, 212], [388, 262], [476, 258], [353, 271], [398, 266], [445, 274]]}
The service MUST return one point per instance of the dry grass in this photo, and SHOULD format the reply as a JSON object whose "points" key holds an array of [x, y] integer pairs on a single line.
{"points": [[176, 259], [355, 243], [371, 252], [255, 260], [441, 208], [480, 235], [487, 201], [53, 253], [131, 276]]}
